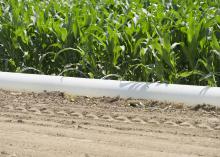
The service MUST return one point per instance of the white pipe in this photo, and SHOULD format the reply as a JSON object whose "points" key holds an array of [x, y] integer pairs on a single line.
{"points": [[94, 88]]}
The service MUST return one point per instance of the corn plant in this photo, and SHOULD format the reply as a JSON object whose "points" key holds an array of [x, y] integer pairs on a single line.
{"points": [[169, 41]]}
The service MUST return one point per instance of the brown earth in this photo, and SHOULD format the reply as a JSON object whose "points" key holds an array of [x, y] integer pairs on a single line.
{"points": [[60, 125]]}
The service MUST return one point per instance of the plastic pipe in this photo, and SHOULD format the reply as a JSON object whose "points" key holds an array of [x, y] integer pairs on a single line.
{"points": [[187, 94]]}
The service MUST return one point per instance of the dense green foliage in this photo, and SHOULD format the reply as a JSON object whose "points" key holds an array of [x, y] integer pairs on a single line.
{"points": [[173, 41]]}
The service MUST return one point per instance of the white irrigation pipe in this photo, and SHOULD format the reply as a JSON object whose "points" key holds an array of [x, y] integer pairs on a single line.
{"points": [[94, 87]]}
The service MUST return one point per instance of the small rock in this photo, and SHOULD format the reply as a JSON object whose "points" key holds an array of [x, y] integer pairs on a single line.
{"points": [[114, 99], [136, 104], [69, 97]]}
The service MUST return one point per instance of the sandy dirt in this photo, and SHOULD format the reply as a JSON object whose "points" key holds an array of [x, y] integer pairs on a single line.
{"points": [[60, 125]]}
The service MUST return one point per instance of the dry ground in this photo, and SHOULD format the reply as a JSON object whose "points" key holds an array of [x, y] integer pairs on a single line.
{"points": [[60, 125]]}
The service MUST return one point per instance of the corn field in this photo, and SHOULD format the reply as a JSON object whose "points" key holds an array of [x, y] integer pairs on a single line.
{"points": [[170, 41]]}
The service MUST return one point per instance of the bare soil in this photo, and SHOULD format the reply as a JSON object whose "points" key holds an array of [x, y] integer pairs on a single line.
{"points": [[61, 125]]}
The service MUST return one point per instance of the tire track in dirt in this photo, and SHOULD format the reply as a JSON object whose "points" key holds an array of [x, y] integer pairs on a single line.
{"points": [[61, 125], [212, 124]]}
